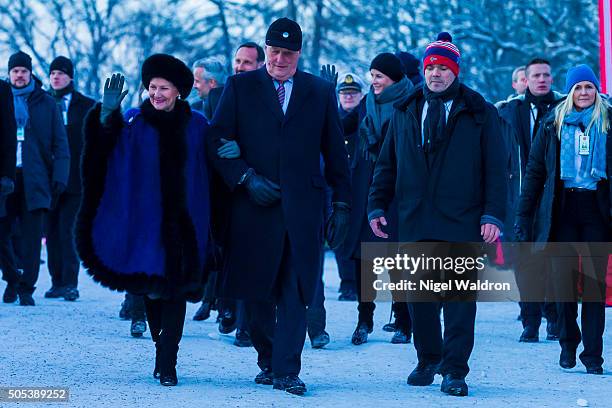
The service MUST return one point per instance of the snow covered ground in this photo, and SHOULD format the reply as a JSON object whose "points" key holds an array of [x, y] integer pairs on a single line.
{"points": [[86, 347]]}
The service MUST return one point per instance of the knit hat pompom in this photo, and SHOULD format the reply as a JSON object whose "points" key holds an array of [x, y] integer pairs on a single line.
{"points": [[444, 36]]}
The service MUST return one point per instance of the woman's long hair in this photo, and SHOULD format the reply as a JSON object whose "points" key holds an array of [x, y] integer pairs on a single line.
{"points": [[600, 118]]}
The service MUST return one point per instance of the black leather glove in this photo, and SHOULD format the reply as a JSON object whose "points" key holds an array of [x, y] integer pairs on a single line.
{"points": [[261, 190], [521, 231], [229, 150], [7, 186], [338, 224], [112, 97], [328, 73]]}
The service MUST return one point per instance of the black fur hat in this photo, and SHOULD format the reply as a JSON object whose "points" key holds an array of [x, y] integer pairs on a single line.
{"points": [[171, 69]]}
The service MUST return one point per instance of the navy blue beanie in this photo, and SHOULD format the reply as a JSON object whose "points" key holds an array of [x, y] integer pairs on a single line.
{"points": [[580, 73]]}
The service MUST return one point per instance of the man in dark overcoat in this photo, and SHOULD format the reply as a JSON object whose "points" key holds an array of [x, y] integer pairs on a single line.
{"points": [[277, 210], [443, 160], [63, 260]]}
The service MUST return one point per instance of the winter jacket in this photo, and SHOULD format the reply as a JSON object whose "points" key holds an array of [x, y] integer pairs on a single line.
{"points": [[143, 224], [543, 195], [8, 132], [362, 170], [464, 185], [45, 152], [516, 131], [79, 106], [210, 104]]}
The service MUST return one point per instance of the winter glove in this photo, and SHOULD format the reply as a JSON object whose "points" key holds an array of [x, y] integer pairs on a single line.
{"points": [[328, 73], [521, 231], [229, 150], [7, 186], [337, 226], [57, 190], [113, 95], [261, 190]]}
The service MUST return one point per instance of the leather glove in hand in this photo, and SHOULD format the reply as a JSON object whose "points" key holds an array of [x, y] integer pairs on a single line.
{"points": [[7, 186], [328, 73], [337, 226], [113, 96], [229, 149], [521, 233], [261, 190]]}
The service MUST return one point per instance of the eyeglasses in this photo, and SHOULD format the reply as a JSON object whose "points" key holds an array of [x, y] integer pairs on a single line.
{"points": [[351, 94]]}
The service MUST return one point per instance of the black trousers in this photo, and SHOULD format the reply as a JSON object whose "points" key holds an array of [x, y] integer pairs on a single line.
{"points": [[30, 224], [581, 221], [365, 309], [278, 327], [62, 258], [316, 315], [347, 268], [453, 350]]}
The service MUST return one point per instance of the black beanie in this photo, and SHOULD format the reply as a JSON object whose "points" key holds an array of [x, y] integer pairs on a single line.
{"points": [[63, 64], [20, 59], [389, 65], [171, 69]]}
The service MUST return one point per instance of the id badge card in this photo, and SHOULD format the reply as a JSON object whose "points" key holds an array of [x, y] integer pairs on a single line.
{"points": [[584, 144], [20, 134]]}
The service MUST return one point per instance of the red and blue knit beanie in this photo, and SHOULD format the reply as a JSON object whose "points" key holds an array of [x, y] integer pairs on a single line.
{"points": [[443, 52]]}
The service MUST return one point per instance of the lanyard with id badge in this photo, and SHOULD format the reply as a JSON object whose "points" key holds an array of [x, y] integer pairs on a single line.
{"points": [[20, 140], [584, 142]]}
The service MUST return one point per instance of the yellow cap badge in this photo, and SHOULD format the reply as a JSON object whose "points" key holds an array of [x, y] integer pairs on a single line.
{"points": [[348, 79]]}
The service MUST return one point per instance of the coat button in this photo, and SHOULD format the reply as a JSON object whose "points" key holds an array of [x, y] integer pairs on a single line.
{"points": [[346, 142]]}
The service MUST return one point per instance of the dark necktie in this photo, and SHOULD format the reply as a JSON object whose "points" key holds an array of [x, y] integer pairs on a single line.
{"points": [[280, 91]]}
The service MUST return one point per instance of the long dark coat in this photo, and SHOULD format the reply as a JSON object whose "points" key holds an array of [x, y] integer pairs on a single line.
{"points": [[287, 149], [8, 138], [8, 132], [543, 195], [466, 178], [79, 106]]}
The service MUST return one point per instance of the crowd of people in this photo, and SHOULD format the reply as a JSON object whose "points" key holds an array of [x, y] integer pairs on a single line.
{"points": [[231, 201]]}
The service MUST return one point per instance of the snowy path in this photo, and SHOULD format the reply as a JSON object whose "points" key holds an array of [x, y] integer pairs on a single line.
{"points": [[86, 347]]}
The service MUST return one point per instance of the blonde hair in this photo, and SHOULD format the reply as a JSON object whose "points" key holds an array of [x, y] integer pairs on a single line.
{"points": [[600, 118]]}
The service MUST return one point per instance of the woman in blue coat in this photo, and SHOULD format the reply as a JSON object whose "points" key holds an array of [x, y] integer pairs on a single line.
{"points": [[144, 219]]}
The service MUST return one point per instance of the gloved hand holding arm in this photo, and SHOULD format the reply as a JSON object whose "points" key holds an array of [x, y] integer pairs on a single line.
{"points": [[229, 149]]}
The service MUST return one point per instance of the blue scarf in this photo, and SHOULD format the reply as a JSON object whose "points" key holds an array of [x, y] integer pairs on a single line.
{"points": [[592, 166], [20, 100]]}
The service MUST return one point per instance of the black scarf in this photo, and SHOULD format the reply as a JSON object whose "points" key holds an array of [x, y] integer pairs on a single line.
{"points": [[542, 104], [434, 126], [59, 94]]}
